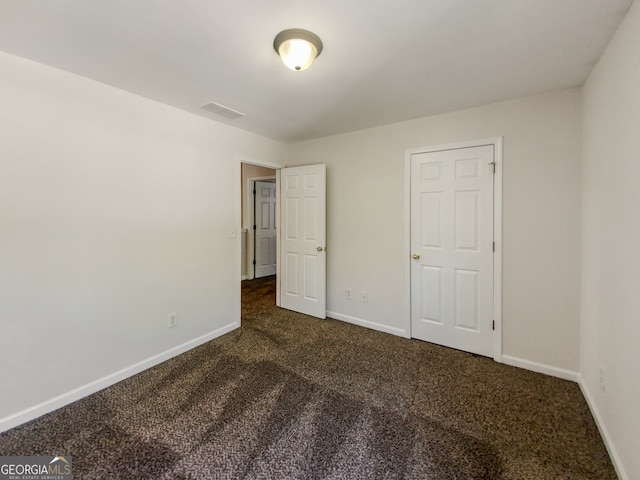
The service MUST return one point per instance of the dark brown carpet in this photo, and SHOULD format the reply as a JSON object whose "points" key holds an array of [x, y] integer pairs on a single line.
{"points": [[289, 396]]}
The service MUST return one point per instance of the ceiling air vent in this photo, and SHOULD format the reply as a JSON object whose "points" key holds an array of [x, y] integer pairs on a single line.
{"points": [[222, 110]]}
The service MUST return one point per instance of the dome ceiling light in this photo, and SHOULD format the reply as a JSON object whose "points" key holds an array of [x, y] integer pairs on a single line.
{"points": [[298, 48]]}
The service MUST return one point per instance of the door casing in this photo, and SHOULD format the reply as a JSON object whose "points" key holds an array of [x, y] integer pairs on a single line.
{"points": [[497, 232]]}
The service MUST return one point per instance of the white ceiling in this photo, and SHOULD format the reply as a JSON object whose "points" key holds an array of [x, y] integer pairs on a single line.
{"points": [[383, 61]]}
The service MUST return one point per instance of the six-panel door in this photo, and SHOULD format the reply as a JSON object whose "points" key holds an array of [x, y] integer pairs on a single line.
{"points": [[452, 248], [303, 237], [265, 231]]}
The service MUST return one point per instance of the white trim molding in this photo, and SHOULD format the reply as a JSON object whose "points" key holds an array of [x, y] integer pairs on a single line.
{"points": [[540, 368], [367, 324], [71, 396], [604, 433], [577, 378]]}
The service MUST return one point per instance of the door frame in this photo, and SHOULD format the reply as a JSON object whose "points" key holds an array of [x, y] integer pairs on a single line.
{"points": [[250, 210], [240, 159], [497, 232]]}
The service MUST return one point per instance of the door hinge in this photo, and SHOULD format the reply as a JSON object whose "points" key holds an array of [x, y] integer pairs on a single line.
{"points": [[494, 246], [493, 324], [254, 191], [493, 164], [254, 227], [254, 262]]}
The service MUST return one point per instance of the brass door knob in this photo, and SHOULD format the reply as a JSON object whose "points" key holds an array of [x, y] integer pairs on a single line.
{"points": [[320, 249], [415, 256]]}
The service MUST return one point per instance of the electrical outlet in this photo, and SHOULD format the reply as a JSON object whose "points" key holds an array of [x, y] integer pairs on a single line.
{"points": [[347, 294], [173, 320], [364, 296]]}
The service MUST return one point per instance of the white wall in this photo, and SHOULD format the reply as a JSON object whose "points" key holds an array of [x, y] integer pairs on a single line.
{"points": [[115, 211], [541, 218], [611, 232]]}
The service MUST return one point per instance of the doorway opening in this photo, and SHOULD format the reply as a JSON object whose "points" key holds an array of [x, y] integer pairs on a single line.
{"points": [[258, 232], [300, 256]]}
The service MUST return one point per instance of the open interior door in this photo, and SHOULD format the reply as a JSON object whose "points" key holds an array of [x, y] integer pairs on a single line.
{"points": [[303, 239]]}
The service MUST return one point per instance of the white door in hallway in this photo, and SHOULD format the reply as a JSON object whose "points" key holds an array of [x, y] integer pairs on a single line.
{"points": [[452, 248], [303, 239], [265, 228]]}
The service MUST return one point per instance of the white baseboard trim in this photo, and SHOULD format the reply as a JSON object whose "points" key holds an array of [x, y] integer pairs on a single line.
{"points": [[71, 396], [608, 443], [243, 278], [540, 368], [367, 324]]}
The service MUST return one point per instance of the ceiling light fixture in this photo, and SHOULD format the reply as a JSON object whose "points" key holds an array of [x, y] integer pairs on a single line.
{"points": [[297, 48]]}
